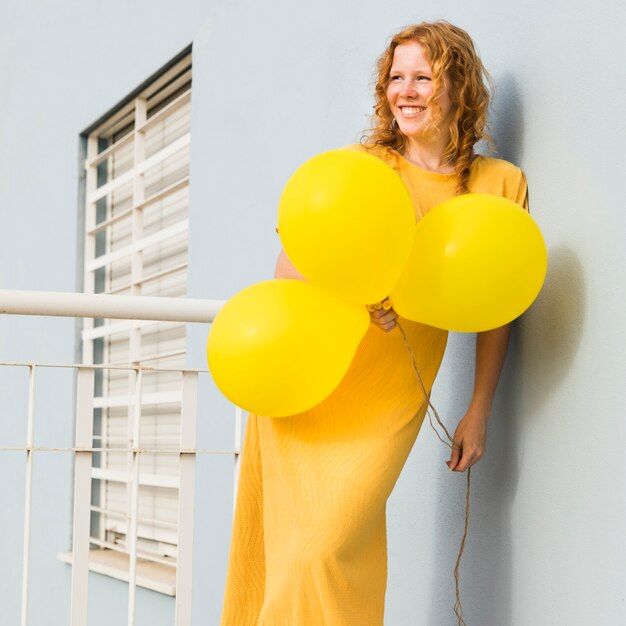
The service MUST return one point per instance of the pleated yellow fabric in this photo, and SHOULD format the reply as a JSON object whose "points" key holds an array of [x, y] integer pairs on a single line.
{"points": [[309, 544]]}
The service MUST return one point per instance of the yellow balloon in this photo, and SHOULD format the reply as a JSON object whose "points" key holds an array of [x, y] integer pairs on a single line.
{"points": [[280, 347], [478, 261], [346, 221]]}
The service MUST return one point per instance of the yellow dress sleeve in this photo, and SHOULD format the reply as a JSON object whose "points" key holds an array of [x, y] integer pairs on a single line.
{"points": [[521, 197]]}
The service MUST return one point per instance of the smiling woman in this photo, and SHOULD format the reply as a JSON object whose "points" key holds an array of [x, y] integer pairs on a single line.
{"points": [[417, 108], [309, 543], [434, 67]]}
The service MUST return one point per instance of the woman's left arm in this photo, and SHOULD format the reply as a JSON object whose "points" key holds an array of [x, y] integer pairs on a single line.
{"points": [[470, 437]]}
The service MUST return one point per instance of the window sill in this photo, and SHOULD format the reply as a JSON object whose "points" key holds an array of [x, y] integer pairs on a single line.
{"points": [[150, 575]]}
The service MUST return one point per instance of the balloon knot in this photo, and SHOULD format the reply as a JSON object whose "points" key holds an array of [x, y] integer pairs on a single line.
{"points": [[385, 304]]}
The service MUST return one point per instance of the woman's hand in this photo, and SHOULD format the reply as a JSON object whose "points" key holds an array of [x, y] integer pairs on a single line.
{"points": [[384, 319], [471, 433], [470, 441]]}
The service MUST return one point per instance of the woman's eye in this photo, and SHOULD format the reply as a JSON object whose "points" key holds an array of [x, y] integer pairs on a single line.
{"points": [[423, 78]]}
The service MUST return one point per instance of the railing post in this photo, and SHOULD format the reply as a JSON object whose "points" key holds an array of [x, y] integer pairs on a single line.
{"points": [[238, 437], [28, 492], [82, 495], [186, 498], [133, 486]]}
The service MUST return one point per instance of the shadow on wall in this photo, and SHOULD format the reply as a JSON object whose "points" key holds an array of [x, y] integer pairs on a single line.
{"points": [[506, 119], [548, 339], [543, 347]]}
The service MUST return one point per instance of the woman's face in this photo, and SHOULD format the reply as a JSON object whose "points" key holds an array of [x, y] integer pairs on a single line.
{"points": [[409, 87]]}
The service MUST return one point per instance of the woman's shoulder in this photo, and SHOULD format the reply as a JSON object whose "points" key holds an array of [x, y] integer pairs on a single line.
{"points": [[496, 167], [491, 175]]}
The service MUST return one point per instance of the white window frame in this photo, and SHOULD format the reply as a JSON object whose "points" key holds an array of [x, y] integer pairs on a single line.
{"points": [[164, 96]]}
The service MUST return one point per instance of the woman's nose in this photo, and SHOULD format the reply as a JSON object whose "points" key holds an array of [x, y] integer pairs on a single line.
{"points": [[408, 90]]}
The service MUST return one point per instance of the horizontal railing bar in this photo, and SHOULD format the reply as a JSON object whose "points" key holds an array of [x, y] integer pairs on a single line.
{"points": [[138, 450], [105, 366], [64, 304]]}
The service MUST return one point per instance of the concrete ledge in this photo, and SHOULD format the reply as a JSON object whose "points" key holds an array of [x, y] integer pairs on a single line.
{"points": [[150, 575]]}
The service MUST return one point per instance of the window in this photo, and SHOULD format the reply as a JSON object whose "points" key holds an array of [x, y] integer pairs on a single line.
{"points": [[137, 197]]}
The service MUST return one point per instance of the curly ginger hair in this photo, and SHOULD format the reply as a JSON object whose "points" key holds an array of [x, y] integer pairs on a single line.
{"points": [[456, 65]]}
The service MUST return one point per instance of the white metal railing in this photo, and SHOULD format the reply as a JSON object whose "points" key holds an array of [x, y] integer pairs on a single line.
{"points": [[113, 307], [119, 307]]}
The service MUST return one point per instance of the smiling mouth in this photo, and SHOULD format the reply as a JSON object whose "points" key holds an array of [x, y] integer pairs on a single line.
{"points": [[411, 111]]}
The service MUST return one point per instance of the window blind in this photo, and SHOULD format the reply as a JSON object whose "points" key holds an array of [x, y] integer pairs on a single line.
{"points": [[137, 198]]}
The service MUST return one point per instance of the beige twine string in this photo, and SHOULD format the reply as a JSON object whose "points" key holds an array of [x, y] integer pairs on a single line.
{"points": [[458, 609]]}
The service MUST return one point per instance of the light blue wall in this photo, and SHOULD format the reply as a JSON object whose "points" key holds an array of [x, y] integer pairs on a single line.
{"points": [[274, 84], [62, 65]]}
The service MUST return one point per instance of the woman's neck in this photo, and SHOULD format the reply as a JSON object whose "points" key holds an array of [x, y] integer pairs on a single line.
{"points": [[427, 155]]}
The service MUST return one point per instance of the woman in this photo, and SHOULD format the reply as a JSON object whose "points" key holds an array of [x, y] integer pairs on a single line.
{"points": [[309, 538]]}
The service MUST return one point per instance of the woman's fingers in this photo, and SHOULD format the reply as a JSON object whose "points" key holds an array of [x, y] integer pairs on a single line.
{"points": [[385, 320], [455, 457], [470, 439]]}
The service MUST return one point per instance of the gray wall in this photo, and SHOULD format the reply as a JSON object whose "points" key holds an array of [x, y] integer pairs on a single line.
{"points": [[273, 85]]}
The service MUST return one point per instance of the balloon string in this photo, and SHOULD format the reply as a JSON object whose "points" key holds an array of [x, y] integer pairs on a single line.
{"points": [[458, 609]]}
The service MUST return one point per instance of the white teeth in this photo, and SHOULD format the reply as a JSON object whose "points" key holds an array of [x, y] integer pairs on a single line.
{"points": [[408, 111]]}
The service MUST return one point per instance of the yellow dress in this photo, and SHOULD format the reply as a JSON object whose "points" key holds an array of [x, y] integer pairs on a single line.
{"points": [[309, 544]]}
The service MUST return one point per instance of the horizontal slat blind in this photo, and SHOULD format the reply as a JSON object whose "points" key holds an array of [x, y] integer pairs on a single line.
{"points": [[136, 244]]}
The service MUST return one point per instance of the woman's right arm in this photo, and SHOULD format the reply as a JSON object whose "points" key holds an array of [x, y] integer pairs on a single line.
{"points": [[285, 268], [385, 320]]}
